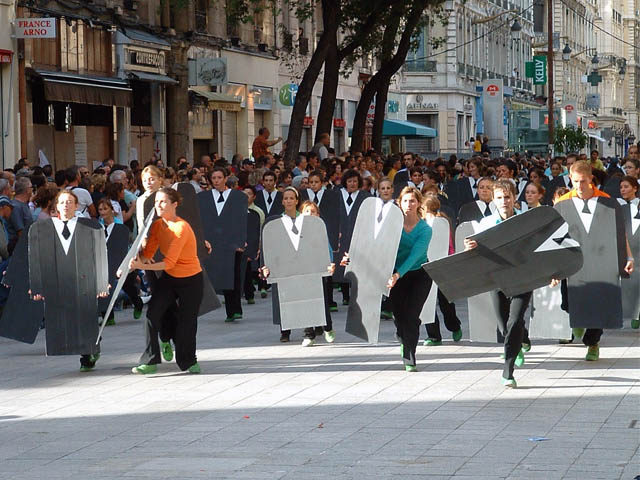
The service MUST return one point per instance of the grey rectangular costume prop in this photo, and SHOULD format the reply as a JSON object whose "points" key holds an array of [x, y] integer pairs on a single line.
{"points": [[297, 272], [595, 295], [21, 316], [518, 255], [70, 283], [226, 233], [631, 285], [438, 248], [483, 308], [372, 256], [548, 320]]}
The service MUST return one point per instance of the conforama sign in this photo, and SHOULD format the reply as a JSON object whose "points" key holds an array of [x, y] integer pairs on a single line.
{"points": [[35, 28], [493, 89]]}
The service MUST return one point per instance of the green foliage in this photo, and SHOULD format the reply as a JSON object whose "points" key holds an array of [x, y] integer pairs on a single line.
{"points": [[569, 139]]}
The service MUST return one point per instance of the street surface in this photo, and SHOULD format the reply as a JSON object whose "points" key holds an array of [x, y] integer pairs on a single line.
{"points": [[263, 410]]}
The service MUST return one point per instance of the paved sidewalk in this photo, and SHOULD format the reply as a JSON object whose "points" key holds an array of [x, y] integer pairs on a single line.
{"points": [[265, 410]]}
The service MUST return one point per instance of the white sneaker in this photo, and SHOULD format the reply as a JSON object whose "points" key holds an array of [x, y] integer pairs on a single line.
{"points": [[307, 342], [145, 299], [330, 336]]}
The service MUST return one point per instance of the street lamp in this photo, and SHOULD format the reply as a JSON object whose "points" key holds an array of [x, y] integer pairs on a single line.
{"points": [[622, 71], [566, 52], [595, 60], [516, 28]]}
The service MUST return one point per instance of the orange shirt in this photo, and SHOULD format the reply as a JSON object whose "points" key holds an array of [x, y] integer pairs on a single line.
{"points": [[177, 244], [260, 147], [573, 193]]}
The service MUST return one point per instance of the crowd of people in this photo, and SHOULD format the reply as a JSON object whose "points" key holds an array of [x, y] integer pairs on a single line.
{"points": [[458, 189]]}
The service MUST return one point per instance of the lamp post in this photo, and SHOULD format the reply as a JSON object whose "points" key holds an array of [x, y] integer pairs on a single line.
{"points": [[550, 73]]}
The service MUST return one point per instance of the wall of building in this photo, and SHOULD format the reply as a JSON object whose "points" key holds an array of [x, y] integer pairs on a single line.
{"points": [[10, 137]]}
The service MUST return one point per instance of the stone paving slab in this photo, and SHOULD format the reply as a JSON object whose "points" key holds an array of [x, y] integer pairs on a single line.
{"points": [[263, 410]]}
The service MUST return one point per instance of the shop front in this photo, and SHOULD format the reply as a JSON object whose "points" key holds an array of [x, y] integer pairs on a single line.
{"points": [[142, 128]]}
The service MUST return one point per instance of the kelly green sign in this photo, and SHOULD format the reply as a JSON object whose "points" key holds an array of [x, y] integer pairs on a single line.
{"points": [[539, 70]]}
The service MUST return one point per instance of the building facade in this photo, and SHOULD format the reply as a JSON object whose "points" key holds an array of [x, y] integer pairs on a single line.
{"points": [[9, 120], [442, 87]]}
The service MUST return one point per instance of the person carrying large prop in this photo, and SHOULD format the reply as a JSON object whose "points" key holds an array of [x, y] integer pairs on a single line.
{"points": [[224, 218], [594, 293], [68, 270], [513, 254]]}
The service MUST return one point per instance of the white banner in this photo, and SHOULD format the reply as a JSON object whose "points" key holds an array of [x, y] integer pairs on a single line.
{"points": [[493, 112], [35, 27], [571, 112]]}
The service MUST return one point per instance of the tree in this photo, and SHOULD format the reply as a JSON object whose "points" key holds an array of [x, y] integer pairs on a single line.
{"points": [[569, 139], [388, 67]]}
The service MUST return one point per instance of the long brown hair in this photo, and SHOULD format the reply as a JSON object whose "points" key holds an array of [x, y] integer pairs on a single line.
{"points": [[418, 196]]}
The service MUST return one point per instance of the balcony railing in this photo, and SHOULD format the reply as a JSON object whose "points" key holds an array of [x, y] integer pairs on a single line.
{"points": [[427, 66]]}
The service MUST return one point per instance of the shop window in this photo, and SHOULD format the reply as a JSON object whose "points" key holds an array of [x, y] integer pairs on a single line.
{"points": [[39, 104], [141, 108], [91, 115]]}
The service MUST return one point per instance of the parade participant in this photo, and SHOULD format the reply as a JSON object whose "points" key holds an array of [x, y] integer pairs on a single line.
{"points": [[269, 200], [631, 285], [385, 193], [632, 167], [410, 284], [327, 202], [482, 207], [467, 187], [534, 193], [151, 179], [223, 212], [117, 238], [431, 210], [350, 198], [594, 293], [310, 208], [69, 275], [290, 199], [512, 309], [255, 220], [180, 280]]}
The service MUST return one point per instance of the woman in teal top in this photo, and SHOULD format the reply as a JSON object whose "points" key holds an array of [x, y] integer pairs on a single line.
{"points": [[410, 284]]}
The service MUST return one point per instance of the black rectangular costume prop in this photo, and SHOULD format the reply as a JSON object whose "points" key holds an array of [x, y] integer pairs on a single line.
{"points": [[21, 315], [631, 285], [226, 233], [70, 283], [346, 224]]}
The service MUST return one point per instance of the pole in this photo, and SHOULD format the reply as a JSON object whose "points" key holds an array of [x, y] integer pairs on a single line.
{"points": [[550, 101]]}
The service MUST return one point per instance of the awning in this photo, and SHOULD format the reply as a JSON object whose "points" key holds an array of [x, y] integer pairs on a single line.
{"points": [[141, 36], [402, 128], [152, 77], [73, 88], [596, 137], [220, 101]]}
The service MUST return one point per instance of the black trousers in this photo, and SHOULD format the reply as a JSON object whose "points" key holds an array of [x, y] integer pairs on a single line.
{"points": [[131, 290], [591, 335], [233, 298], [345, 288], [408, 297], [187, 292], [511, 325], [249, 275], [163, 329], [311, 332], [386, 304], [451, 320]]}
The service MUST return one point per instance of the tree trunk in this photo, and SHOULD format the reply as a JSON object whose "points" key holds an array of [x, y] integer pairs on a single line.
{"points": [[378, 122], [305, 89], [383, 77], [329, 90]]}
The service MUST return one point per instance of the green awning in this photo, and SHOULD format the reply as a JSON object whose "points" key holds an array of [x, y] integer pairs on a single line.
{"points": [[402, 128]]}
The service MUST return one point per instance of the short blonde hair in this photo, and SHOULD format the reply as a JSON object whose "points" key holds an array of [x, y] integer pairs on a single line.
{"points": [[581, 166]]}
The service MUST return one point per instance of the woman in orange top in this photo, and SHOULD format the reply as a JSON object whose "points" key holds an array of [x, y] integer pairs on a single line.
{"points": [[181, 278]]}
